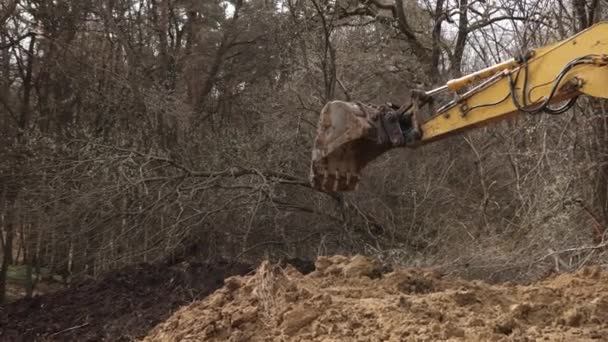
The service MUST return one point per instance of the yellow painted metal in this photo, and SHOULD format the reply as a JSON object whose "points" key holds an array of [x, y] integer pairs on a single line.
{"points": [[543, 68]]}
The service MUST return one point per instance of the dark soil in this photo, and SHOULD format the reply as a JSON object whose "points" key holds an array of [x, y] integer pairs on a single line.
{"points": [[122, 306]]}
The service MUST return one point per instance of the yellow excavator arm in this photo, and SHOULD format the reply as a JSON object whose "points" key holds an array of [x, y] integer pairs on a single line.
{"points": [[351, 134]]}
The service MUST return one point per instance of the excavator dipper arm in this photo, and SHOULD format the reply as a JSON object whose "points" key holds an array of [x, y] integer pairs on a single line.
{"points": [[351, 135]]}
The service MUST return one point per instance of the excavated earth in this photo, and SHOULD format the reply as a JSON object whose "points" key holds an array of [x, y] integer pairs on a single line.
{"points": [[353, 299]]}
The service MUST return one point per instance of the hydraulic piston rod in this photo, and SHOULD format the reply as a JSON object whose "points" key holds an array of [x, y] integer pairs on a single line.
{"points": [[459, 83]]}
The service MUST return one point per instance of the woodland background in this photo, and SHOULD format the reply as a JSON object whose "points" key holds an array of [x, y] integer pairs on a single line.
{"points": [[157, 130]]}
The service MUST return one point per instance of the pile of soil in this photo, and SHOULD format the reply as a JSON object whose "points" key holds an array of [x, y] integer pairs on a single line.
{"points": [[353, 299], [122, 306]]}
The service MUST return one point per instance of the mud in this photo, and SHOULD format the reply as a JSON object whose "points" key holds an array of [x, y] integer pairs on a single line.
{"points": [[123, 306], [354, 299]]}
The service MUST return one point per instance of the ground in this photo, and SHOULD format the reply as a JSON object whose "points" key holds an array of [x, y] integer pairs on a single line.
{"points": [[15, 287], [122, 306], [352, 299], [343, 299]]}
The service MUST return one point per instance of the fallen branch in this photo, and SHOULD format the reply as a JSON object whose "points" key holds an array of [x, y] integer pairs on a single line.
{"points": [[576, 249], [70, 329]]}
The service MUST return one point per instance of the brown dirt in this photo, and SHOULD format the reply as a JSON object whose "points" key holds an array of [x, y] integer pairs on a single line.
{"points": [[123, 306], [351, 299]]}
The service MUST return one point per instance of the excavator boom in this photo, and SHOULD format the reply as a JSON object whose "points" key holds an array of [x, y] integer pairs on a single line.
{"points": [[350, 135]]}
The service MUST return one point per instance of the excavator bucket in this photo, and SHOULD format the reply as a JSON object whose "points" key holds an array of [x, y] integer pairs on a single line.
{"points": [[349, 136]]}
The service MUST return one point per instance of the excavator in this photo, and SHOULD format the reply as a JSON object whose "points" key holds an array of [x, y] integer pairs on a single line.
{"points": [[550, 79]]}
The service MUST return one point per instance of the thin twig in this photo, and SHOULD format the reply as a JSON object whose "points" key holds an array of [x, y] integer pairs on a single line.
{"points": [[70, 329]]}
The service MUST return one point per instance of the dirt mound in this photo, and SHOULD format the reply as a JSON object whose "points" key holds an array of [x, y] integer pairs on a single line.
{"points": [[124, 305], [352, 299]]}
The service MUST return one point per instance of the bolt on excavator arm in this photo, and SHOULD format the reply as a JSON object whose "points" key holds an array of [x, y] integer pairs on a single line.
{"points": [[350, 135]]}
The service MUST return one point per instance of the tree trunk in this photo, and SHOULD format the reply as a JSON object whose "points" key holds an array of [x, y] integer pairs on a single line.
{"points": [[580, 12], [26, 116], [7, 256], [461, 39], [436, 49]]}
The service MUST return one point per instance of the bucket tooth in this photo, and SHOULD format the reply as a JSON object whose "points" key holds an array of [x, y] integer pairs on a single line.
{"points": [[355, 180], [336, 186], [325, 179]]}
